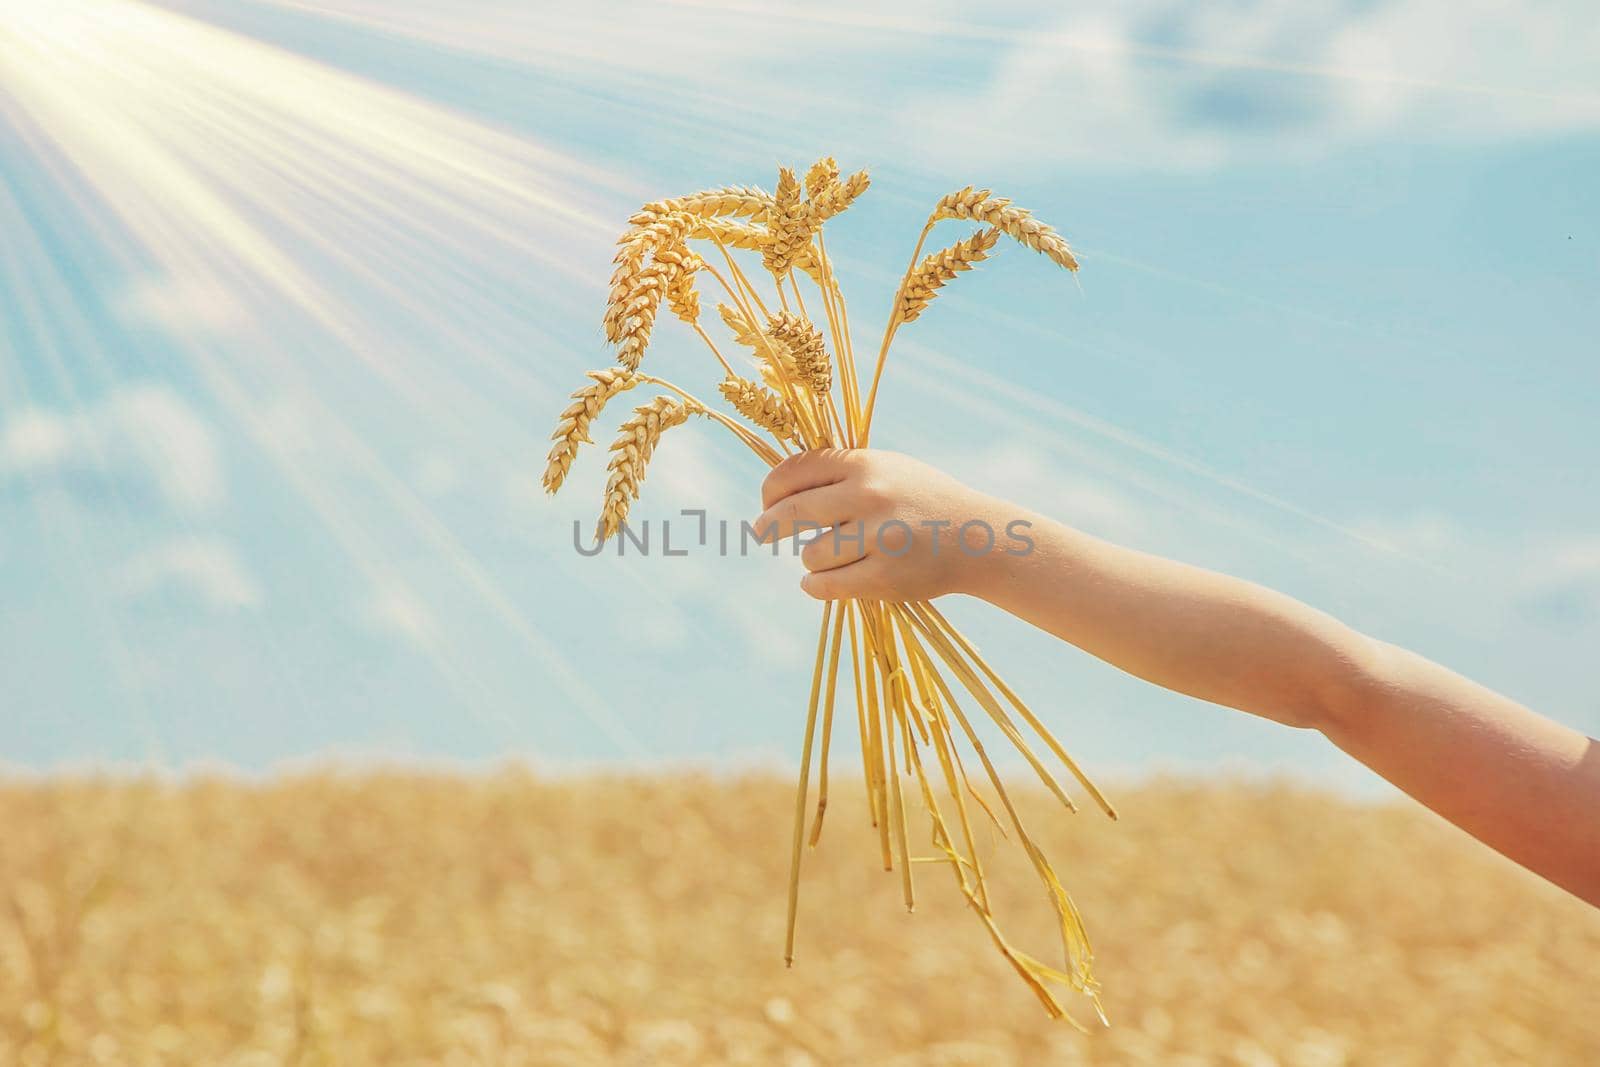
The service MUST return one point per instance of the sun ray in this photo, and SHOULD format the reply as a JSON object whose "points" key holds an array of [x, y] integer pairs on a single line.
{"points": [[304, 193]]}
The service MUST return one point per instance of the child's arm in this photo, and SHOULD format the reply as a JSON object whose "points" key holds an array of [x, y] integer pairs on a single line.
{"points": [[1525, 785]]}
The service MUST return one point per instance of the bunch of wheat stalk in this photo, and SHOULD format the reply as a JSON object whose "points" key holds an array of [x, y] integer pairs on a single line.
{"points": [[802, 389]]}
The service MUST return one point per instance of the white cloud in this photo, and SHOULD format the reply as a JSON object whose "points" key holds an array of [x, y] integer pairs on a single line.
{"points": [[205, 569], [1032, 477], [1142, 83], [1160, 82], [140, 439], [1422, 536], [398, 611], [1485, 580]]}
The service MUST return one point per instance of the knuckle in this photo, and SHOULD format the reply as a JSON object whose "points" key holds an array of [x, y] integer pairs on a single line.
{"points": [[772, 485], [872, 495]]}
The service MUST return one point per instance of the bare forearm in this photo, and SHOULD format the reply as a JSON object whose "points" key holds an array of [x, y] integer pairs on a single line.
{"points": [[1521, 783], [1187, 629]]}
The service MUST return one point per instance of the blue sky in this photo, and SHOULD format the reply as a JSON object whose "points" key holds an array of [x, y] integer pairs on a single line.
{"points": [[291, 293]]}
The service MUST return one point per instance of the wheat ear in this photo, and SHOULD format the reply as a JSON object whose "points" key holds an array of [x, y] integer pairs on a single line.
{"points": [[823, 174], [924, 283], [756, 239], [630, 455], [806, 349], [744, 331], [739, 201], [761, 406], [638, 313], [835, 198], [788, 224], [772, 352], [572, 429], [1005, 216], [680, 293], [634, 247], [670, 275]]}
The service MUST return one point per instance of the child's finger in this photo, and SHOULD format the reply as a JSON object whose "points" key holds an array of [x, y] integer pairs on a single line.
{"points": [[810, 509], [844, 544], [808, 470], [863, 579]]}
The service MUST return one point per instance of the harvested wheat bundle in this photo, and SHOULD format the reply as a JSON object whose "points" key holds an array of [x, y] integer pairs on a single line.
{"points": [[908, 663]]}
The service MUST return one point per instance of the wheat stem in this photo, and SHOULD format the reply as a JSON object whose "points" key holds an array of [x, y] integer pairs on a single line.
{"points": [[756, 444], [986, 700], [1022, 709], [889, 329], [800, 797], [875, 738], [1035, 855], [861, 716], [841, 346], [827, 727], [902, 826], [897, 717], [897, 814], [1075, 941], [953, 782], [715, 351], [810, 436]]}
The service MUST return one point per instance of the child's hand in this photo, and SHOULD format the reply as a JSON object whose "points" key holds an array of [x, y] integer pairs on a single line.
{"points": [[896, 525]]}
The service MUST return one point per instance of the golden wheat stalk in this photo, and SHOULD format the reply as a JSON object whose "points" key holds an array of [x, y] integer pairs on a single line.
{"points": [[807, 353], [744, 331], [977, 205], [669, 277], [800, 797], [788, 223], [631, 262], [637, 315], [630, 456], [681, 295], [771, 348], [835, 197], [940, 267], [755, 239], [1018, 223], [738, 201], [823, 173], [762, 407], [572, 429]]}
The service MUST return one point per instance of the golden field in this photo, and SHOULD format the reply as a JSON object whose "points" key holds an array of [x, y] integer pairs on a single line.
{"points": [[411, 918]]}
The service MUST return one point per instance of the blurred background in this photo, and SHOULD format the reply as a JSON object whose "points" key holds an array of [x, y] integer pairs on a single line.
{"points": [[320, 742]]}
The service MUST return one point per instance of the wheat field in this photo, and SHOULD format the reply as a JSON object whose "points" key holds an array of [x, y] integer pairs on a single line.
{"points": [[415, 918]]}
